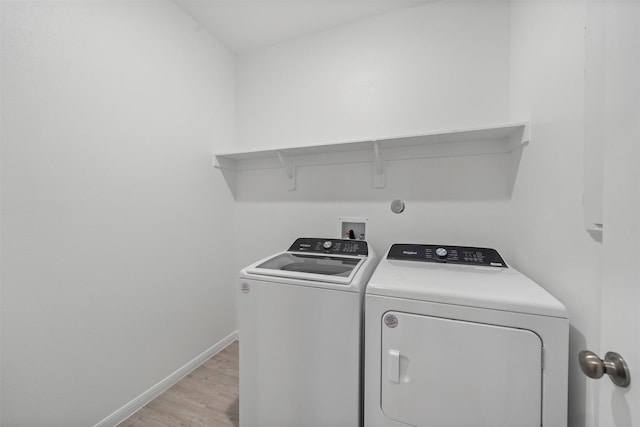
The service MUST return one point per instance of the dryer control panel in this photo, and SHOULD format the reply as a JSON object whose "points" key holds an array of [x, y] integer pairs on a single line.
{"points": [[330, 246], [447, 254]]}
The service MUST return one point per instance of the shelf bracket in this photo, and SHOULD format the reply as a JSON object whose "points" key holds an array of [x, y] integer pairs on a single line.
{"points": [[289, 169], [228, 169], [379, 180], [520, 139]]}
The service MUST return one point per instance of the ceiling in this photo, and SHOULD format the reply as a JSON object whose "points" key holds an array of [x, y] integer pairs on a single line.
{"points": [[245, 25]]}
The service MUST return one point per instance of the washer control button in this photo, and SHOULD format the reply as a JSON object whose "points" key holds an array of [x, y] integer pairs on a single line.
{"points": [[441, 252], [327, 244]]}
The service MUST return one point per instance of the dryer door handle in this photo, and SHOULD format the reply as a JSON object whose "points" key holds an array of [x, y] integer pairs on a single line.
{"points": [[393, 366]]}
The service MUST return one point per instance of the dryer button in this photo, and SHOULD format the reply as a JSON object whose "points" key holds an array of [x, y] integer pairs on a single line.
{"points": [[391, 321]]}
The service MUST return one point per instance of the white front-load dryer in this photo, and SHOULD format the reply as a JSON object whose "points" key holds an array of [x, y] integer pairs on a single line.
{"points": [[454, 337]]}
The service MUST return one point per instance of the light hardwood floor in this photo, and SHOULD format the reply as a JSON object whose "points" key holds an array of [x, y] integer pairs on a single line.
{"points": [[208, 396]]}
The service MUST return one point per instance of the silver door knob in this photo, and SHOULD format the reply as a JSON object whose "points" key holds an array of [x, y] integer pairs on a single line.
{"points": [[613, 365]]}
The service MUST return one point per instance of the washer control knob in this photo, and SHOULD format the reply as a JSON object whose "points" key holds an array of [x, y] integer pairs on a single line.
{"points": [[441, 252], [327, 244]]}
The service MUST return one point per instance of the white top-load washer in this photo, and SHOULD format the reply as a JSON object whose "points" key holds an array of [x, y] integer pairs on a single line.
{"points": [[301, 332], [454, 337]]}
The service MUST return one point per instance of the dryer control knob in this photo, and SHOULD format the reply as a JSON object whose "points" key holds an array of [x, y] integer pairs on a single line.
{"points": [[441, 252], [327, 244]]}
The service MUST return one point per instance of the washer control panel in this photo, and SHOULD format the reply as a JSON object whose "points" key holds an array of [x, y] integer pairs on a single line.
{"points": [[330, 246], [446, 254]]}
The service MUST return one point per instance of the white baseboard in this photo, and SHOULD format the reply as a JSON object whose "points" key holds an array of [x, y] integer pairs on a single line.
{"points": [[139, 402]]}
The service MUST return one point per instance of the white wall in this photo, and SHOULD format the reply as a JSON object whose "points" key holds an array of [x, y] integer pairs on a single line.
{"points": [[436, 67], [439, 66], [115, 226], [551, 244]]}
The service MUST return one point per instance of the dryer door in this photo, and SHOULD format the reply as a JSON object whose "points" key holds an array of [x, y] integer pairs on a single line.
{"points": [[442, 372]]}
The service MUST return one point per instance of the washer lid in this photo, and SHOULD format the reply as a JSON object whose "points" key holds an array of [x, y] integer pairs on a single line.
{"points": [[302, 263], [475, 286], [338, 264], [309, 267]]}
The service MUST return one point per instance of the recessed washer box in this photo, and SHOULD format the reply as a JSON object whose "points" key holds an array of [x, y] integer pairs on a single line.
{"points": [[357, 224]]}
